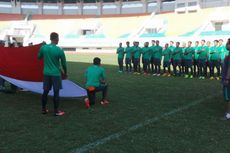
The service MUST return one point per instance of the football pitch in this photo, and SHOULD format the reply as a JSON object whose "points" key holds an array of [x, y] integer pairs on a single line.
{"points": [[146, 114]]}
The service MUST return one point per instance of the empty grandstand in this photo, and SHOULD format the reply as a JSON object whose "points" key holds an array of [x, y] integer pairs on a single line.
{"points": [[101, 25]]}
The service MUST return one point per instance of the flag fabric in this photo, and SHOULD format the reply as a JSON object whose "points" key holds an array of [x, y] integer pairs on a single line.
{"points": [[21, 67], [21, 63]]}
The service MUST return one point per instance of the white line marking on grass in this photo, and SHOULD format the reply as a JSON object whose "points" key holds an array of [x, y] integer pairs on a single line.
{"points": [[104, 140]]}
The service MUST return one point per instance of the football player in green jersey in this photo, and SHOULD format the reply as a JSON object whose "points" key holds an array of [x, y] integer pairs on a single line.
{"points": [[215, 59], [146, 53], [188, 56], [208, 66], [182, 59], [202, 59], [120, 52], [195, 59], [152, 56], [128, 53], [167, 59]]}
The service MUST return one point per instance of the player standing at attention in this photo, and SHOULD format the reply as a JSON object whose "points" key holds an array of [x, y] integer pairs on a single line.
{"points": [[176, 56], [195, 60], [128, 53], [171, 47], [215, 60], [146, 53], [182, 58], [152, 56], [133, 48], [137, 55], [52, 55], [188, 55], [202, 59], [95, 82], [157, 59], [120, 52], [167, 58]]}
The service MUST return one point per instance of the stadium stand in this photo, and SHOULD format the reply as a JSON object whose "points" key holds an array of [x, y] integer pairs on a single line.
{"points": [[105, 30]]}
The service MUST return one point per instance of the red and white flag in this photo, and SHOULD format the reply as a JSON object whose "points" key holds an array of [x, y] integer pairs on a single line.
{"points": [[21, 67]]}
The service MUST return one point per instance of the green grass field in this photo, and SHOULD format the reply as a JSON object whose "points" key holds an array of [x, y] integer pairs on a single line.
{"points": [[169, 115]]}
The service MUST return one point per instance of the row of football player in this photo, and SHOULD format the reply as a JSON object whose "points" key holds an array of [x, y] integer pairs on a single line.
{"points": [[189, 60]]}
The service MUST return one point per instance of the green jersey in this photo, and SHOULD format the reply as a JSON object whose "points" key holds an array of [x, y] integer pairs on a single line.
{"points": [[177, 53], [188, 53], [214, 53], [120, 52], [196, 55], [167, 54], [183, 50], [223, 52], [203, 52], [146, 52], [94, 74], [158, 52], [52, 55], [171, 48], [128, 52], [152, 48], [133, 49], [209, 55], [137, 53]]}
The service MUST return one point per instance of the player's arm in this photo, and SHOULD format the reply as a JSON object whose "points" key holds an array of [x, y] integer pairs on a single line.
{"points": [[212, 51], [103, 77], [173, 52], [118, 51], [63, 62], [199, 51], [40, 53], [176, 52], [125, 51], [186, 52]]}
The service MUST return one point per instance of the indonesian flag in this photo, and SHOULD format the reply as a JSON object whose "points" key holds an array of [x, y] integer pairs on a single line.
{"points": [[21, 67]]}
